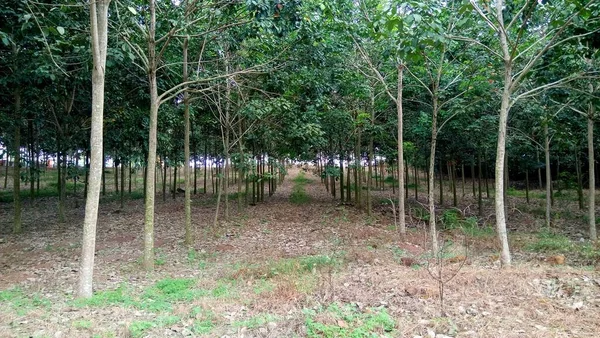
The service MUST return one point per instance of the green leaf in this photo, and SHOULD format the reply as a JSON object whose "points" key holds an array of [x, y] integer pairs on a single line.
{"points": [[132, 10], [60, 30]]}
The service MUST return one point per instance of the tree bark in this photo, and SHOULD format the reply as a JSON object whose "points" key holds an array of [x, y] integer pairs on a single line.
{"points": [[501, 145], [592, 174], [148, 261], [189, 237], [401, 195], [548, 175], [17, 164], [99, 30]]}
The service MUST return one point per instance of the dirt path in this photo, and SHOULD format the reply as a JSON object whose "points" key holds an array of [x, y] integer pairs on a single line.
{"points": [[278, 269]]}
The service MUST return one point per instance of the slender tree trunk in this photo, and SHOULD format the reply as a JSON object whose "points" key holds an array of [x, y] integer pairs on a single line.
{"points": [[400, 116], [164, 179], [341, 178], [479, 197], [416, 182], [189, 237], [62, 183], [454, 198], [349, 192], [527, 185], [241, 168], [205, 166], [501, 146], [487, 176], [579, 183], [431, 178], [148, 261], [592, 175], [539, 171], [174, 183], [473, 176], [548, 175], [122, 184], [462, 171], [99, 28], [17, 164], [129, 183], [116, 174]]}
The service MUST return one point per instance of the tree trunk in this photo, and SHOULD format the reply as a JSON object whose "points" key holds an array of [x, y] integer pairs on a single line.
{"points": [[592, 175], [539, 171], [164, 179], [462, 171], [479, 196], [17, 164], [454, 198], [189, 237], [148, 261], [99, 28], [431, 178], [122, 183], [579, 183], [527, 185], [341, 178], [501, 145], [400, 113], [473, 176], [205, 166], [548, 174]]}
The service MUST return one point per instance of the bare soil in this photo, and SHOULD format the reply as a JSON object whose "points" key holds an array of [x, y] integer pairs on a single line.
{"points": [[255, 296]]}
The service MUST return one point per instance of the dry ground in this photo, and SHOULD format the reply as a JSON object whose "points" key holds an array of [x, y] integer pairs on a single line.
{"points": [[278, 269]]}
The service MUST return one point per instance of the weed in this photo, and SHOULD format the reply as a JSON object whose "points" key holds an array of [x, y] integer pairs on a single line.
{"points": [[549, 241], [256, 321], [451, 219], [118, 296], [82, 324], [285, 267], [349, 321], [137, 328], [16, 300], [298, 195], [263, 286], [160, 257]]}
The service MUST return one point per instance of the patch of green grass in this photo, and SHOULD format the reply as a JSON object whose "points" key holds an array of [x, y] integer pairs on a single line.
{"points": [[118, 296], [16, 300], [548, 241], [138, 328], [204, 320], [262, 286], [298, 195], [256, 321], [82, 324], [160, 258], [289, 266], [349, 321], [223, 290]]}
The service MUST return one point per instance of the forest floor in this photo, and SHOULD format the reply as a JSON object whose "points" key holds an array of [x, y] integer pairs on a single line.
{"points": [[297, 265]]}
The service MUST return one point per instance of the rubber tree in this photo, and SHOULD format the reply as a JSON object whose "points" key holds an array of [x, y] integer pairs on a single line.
{"points": [[519, 46], [99, 38]]}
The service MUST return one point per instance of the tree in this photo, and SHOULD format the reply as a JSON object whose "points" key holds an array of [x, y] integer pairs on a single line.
{"points": [[522, 44], [99, 38]]}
